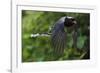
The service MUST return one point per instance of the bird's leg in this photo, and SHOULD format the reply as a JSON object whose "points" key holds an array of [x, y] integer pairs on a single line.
{"points": [[74, 35]]}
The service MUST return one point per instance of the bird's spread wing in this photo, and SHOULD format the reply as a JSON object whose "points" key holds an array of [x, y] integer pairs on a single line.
{"points": [[58, 42]]}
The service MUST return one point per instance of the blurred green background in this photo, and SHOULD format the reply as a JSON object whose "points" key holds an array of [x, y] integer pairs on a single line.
{"points": [[36, 49]]}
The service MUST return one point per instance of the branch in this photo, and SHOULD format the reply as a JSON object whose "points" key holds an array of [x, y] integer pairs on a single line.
{"points": [[39, 34]]}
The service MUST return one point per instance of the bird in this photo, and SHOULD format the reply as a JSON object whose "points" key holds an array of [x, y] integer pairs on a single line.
{"points": [[59, 34]]}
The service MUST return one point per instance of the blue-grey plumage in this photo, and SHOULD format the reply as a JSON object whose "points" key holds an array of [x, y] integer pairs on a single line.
{"points": [[59, 35]]}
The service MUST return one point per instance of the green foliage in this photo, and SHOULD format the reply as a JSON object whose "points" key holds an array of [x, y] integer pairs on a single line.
{"points": [[38, 48]]}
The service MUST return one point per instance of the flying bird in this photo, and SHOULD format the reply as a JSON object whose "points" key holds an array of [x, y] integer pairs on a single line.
{"points": [[59, 34]]}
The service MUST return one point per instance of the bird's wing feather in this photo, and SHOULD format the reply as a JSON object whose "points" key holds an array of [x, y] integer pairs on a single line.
{"points": [[58, 42]]}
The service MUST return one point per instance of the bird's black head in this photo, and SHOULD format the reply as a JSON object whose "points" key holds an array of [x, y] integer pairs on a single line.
{"points": [[70, 21]]}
